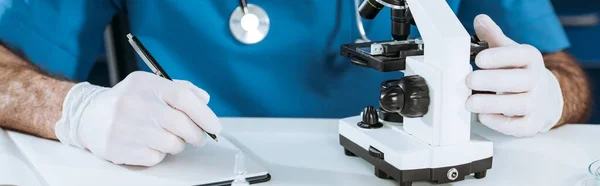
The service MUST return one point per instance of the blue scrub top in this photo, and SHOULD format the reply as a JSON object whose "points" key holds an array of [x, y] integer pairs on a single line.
{"points": [[296, 71]]}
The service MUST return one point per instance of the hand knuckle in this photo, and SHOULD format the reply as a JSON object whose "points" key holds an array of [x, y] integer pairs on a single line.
{"points": [[133, 80], [137, 75], [529, 47], [482, 118], [173, 141], [155, 158], [485, 119], [185, 82], [184, 94], [532, 51], [179, 147], [194, 138]]}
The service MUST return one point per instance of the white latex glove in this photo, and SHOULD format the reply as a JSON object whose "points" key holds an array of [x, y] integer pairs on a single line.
{"points": [[528, 99], [137, 121]]}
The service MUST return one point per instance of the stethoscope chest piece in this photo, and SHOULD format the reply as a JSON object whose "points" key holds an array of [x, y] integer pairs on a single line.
{"points": [[250, 26]]}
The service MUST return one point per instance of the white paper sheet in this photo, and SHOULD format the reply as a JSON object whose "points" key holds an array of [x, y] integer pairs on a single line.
{"points": [[14, 169], [64, 165]]}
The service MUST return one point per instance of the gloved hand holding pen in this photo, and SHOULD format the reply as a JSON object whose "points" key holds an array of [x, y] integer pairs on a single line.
{"points": [[528, 99], [138, 121]]}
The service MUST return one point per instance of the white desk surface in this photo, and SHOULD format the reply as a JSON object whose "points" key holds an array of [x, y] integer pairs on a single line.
{"points": [[307, 152]]}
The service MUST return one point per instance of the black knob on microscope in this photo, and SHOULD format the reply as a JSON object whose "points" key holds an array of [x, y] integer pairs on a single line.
{"points": [[385, 115], [409, 97], [391, 99], [370, 119]]}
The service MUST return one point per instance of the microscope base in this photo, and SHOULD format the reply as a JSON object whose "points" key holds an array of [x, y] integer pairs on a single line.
{"points": [[397, 155]]}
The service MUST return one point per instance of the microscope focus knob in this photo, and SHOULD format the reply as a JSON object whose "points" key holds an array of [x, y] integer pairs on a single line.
{"points": [[391, 99], [370, 119], [408, 96]]}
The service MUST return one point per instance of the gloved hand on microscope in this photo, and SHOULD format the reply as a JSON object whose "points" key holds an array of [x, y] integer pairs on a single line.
{"points": [[528, 97]]}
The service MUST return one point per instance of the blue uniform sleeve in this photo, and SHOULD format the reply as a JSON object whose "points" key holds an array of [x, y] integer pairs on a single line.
{"points": [[531, 22], [62, 36]]}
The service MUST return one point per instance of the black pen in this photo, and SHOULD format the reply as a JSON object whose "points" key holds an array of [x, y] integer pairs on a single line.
{"points": [[152, 63]]}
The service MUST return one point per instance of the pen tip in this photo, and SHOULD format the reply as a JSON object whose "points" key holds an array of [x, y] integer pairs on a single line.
{"points": [[214, 137]]}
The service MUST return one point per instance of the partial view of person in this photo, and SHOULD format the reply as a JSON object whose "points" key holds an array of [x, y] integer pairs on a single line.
{"points": [[295, 71]]}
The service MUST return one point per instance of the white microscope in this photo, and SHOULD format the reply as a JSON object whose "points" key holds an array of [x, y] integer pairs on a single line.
{"points": [[422, 129]]}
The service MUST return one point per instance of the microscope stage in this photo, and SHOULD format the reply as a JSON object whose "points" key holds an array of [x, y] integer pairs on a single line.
{"points": [[398, 155], [361, 54]]}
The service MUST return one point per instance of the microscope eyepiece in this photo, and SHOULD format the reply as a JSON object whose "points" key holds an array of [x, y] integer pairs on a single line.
{"points": [[369, 9]]}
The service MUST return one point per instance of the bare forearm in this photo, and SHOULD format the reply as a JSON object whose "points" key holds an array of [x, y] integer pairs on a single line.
{"points": [[574, 85], [30, 101]]}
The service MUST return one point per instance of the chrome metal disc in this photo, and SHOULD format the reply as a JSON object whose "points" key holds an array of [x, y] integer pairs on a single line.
{"points": [[249, 28]]}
